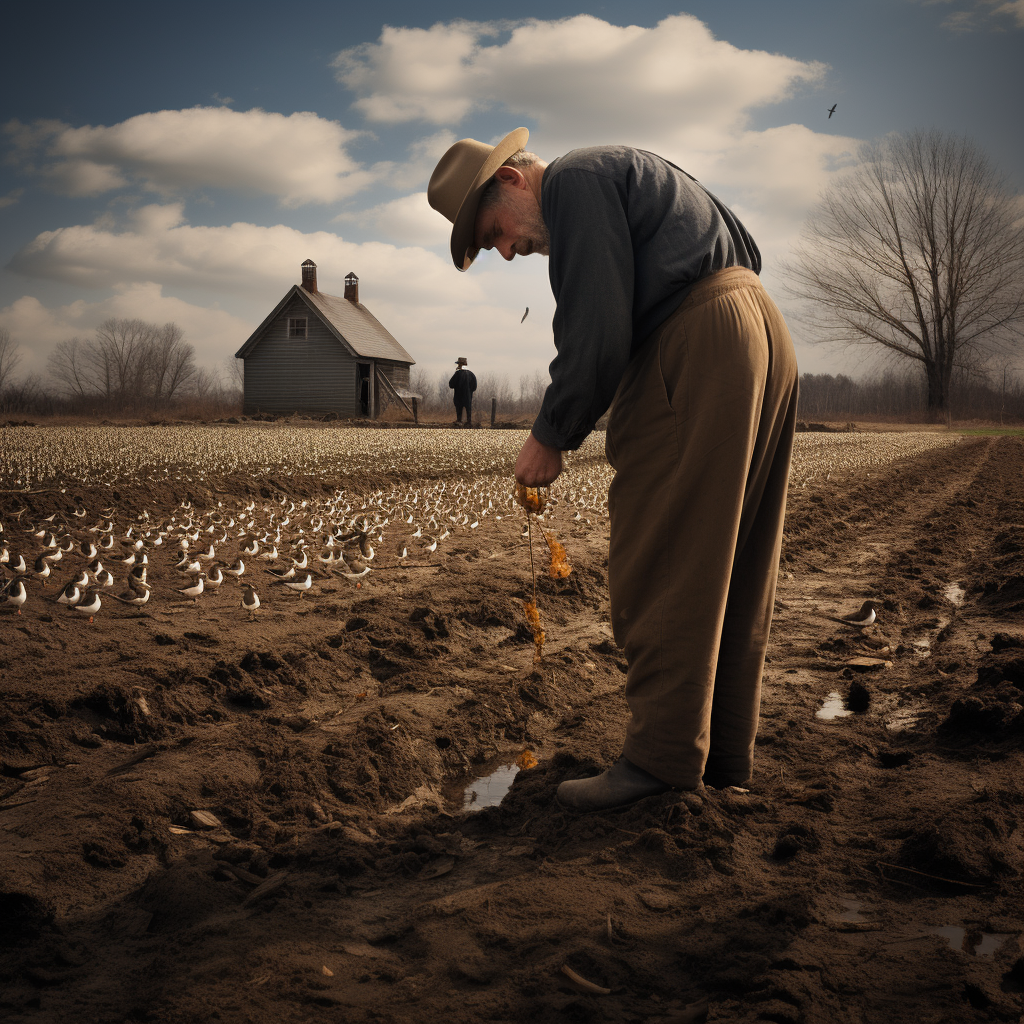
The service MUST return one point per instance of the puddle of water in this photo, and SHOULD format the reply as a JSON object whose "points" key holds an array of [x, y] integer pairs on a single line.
{"points": [[952, 933], [974, 943], [989, 943], [955, 594], [832, 707], [489, 791], [852, 914]]}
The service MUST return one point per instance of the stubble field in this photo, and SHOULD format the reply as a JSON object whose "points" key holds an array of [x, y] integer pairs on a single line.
{"points": [[330, 742]]}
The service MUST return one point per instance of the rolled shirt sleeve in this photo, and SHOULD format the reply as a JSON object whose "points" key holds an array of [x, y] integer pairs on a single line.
{"points": [[591, 273]]}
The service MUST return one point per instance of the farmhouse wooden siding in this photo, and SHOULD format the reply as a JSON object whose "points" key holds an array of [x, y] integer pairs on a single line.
{"points": [[397, 373], [314, 374]]}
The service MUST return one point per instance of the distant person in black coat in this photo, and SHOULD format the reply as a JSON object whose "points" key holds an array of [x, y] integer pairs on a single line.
{"points": [[463, 383]]}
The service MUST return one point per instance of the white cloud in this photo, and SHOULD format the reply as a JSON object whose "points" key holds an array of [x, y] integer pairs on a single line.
{"points": [[37, 328], [674, 89], [434, 311], [157, 244], [579, 78], [983, 14], [11, 198], [300, 158], [1015, 8], [407, 221]]}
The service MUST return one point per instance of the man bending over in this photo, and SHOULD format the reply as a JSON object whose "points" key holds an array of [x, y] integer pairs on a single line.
{"points": [[660, 313]]}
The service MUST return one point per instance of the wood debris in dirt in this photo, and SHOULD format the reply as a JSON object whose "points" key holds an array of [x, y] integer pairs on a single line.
{"points": [[266, 887], [587, 986], [437, 868]]}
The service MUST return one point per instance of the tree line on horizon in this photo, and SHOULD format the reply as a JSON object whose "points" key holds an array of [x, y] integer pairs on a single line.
{"points": [[128, 371], [129, 367]]}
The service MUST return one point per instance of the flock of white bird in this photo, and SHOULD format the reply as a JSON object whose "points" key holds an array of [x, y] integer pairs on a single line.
{"points": [[289, 544], [292, 543]]}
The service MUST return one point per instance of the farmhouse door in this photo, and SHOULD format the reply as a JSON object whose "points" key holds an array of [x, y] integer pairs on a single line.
{"points": [[363, 386]]}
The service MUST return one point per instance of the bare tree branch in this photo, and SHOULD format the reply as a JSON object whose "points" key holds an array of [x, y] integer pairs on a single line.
{"points": [[920, 250], [9, 357]]}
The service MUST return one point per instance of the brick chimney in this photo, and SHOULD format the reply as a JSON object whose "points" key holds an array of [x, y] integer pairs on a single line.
{"points": [[309, 276], [351, 287]]}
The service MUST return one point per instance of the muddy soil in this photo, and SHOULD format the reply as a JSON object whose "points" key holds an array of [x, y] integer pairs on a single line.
{"points": [[872, 872]]}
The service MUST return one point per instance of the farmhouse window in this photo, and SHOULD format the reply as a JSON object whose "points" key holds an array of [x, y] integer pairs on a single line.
{"points": [[296, 327]]}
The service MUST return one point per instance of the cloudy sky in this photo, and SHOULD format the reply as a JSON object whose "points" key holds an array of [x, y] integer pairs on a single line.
{"points": [[179, 162]]}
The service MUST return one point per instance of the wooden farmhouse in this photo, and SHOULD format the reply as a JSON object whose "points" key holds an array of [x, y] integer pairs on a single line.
{"points": [[323, 354]]}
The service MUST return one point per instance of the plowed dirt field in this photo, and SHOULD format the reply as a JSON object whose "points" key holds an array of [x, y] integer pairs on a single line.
{"points": [[872, 873]]}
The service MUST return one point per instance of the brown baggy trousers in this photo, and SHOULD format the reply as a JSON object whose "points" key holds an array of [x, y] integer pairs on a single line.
{"points": [[700, 436]]}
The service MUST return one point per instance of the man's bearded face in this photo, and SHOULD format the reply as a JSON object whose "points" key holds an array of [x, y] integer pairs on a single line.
{"points": [[514, 225]]}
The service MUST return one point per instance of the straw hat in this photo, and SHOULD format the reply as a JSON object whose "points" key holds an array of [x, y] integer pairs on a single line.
{"points": [[459, 180], [461, 361]]}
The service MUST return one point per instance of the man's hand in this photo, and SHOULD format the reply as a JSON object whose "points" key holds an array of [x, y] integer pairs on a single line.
{"points": [[538, 464]]}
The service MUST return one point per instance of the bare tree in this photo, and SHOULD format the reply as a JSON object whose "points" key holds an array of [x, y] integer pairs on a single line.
{"points": [[9, 357], [919, 250], [170, 363], [234, 371], [122, 353], [71, 369], [205, 384]]}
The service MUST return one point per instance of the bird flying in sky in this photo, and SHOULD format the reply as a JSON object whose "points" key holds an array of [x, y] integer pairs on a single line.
{"points": [[832, 109], [524, 315]]}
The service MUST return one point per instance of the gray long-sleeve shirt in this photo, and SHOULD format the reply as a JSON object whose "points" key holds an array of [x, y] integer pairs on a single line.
{"points": [[631, 234]]}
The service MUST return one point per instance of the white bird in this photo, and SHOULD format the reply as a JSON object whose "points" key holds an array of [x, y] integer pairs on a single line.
{"points": [[864, 617], [299, 586], [89, 605], [250, 602], [41, 569], [195, 590], [134, 597], [70, 594], [15, 595], [356, 575], [214, 578], [237, 569]]}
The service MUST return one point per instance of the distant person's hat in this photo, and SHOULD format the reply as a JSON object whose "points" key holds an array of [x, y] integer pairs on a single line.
{"points": [[461, 361], [459, 180]]}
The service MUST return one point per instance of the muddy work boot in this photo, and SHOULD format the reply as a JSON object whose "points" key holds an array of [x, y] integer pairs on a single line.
{"points": [[623, 783]]}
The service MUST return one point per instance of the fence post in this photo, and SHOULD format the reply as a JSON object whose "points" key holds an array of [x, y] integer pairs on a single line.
{"points": [[415, 411], [494, 409]]}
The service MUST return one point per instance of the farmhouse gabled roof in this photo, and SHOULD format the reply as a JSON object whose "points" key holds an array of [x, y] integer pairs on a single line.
{"points": [[350, 322]]}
